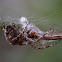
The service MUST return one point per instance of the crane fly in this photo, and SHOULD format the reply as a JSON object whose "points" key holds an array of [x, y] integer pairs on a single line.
{"points": [[30, 34]]}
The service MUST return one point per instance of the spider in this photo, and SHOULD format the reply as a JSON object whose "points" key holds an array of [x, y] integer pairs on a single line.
{"points": [[16, 37]]}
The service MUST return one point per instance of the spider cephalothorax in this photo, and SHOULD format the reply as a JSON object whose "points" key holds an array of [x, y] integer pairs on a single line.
{"points": [[14, 36]]}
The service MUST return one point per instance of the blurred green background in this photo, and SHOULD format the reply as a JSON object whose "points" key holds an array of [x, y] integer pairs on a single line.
{"points": [[43, 13]]}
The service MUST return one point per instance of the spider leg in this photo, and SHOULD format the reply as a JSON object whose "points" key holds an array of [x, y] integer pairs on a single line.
{"points": [[43, 46], [46, 41], [51, 27], [38, 39], [33, 46], [29, 39], [40, 43], [3, 28], [22, 33], [18, 27], [32, 41], [3, 25], [24, 30], [25, 38]]}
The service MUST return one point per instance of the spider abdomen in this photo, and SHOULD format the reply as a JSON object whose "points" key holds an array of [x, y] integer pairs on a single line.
{"points": [[11, 32]]}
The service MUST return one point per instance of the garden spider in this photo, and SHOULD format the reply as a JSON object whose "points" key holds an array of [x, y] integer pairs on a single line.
{"points": [[16, 37]]}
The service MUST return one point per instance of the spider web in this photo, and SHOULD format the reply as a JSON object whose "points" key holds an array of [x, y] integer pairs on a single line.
{"points": [[10, 19]]}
